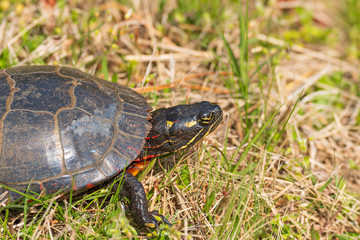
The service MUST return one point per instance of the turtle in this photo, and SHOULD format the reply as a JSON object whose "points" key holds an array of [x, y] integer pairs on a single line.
{"points": [[65, 131]]}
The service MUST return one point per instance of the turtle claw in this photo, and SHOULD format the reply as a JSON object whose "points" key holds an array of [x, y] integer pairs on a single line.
{"points": [[160, 218], [152, 223], [155, 219]]}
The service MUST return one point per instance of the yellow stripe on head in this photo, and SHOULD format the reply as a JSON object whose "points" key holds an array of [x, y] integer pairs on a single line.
{"points": [[191, 140], [190, 124]]}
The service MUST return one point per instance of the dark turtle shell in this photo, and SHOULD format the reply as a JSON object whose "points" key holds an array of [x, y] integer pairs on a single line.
{"points": [[63, 128]]}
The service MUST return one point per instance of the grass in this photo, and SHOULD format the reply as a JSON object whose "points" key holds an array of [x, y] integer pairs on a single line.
{"points": [[283, 165]]}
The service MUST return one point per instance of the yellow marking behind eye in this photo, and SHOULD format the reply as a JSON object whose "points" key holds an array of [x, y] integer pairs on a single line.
{"points": [[169, 124], [190, 124]]}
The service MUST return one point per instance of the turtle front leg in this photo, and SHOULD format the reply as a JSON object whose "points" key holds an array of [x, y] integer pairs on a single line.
{"points": [[134, 191]]}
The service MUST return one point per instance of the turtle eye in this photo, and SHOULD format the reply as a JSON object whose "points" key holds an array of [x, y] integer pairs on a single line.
{"points": [[205, 118]]}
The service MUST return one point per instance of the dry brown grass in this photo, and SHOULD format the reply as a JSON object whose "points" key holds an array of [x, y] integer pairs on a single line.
{"points": [[320, 140]]}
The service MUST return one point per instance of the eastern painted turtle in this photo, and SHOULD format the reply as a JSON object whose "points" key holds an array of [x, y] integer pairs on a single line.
{"points": [[64, 129]]}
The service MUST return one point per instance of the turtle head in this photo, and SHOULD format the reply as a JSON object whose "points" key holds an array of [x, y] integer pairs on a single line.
{"points": [[181, 126]]}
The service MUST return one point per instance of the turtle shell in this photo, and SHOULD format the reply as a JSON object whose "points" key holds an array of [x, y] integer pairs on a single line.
{"points": [[61, 128]]}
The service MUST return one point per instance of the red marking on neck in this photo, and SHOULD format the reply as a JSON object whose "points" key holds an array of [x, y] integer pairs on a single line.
{"points": [[146, 158], [90, 185], [152, 137]]}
